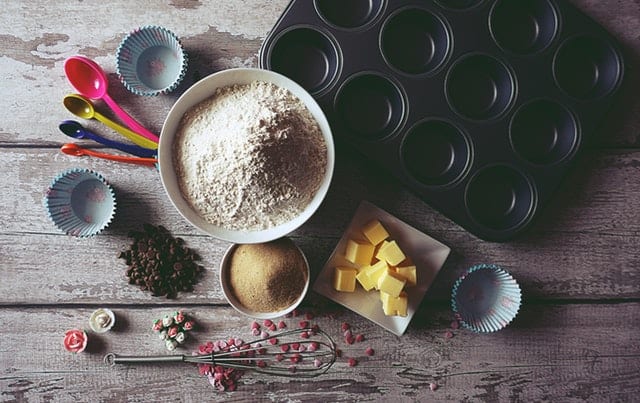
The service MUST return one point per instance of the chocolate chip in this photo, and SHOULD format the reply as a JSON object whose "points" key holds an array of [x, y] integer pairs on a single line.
{"points": [[159, 263]]}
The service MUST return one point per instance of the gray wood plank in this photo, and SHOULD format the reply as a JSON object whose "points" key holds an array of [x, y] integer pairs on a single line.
{"points": [[581, 247], [550, 353]]}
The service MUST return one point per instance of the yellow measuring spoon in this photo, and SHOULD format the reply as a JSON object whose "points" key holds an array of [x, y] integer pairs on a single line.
{"points": [[83, 108]]}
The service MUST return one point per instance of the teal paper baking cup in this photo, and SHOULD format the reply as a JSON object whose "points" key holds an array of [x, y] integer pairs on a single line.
{"points": [[151, 61], [486, 298], [80, 202]]}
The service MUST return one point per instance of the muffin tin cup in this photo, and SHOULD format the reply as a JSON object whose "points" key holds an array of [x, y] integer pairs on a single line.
{"points": [[478, 106], [480, 87], [80, 202], [436, 153], [486, 298], [524, 27], [351, 15], [500, 197], [586, 67], [371, 106], [544, 132], [415, 41], [308, 56]]}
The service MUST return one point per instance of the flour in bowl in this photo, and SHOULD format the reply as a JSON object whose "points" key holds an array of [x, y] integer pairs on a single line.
{"points": [[250, 157]]}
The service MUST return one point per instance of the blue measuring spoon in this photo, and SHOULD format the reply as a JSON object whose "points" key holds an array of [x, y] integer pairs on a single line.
{"points": [[74, 129]]}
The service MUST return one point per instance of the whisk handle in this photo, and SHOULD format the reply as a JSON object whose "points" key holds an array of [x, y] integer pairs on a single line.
{"points": [[113, 359]]}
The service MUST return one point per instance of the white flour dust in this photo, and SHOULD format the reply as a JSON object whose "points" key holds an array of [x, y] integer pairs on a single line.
{"points": [[250, 157]]}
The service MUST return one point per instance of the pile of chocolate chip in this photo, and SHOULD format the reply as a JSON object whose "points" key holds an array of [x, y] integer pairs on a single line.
{"points": [[160, 263]]}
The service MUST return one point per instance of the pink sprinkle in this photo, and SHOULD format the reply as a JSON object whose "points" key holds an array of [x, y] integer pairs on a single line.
{"points": [[273, 341], [317, 363], [455, 324], [349, 340], [295, 358], [313, 346], [345, 326], [255, 325], [352, 362], [238, 342], [315, 328], [294, 312], [256, 332], [433, 386], [295, 346], [308, 316], [231, 386], [272, 327], [261, 364], [360, 338], [369, 351], [222, 344], [267, 322], [279, 357], [262, 351], [448, 334], [288, 315], [284, 348], [303, 324], [302, 348], [281, 324], [347, 333], [304, 335], [264, 334]]}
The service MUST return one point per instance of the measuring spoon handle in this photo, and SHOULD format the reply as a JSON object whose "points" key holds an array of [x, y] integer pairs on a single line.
{"points": [[135, 137], [128, 148], [128, 120]]}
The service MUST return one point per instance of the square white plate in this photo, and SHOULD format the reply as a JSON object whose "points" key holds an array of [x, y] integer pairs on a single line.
{"points": [[427, 254]]}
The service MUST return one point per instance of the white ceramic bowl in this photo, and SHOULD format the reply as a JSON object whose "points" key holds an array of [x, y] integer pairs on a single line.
{"points": [[233, 301], [204, 89]]}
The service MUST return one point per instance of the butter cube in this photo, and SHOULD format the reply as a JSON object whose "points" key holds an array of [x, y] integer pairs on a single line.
{"points": [[359, 252], [375, 232], [376, 270], [365, 281], [390, 284], [408, 273], [391, 253], [394, 306], [344, 279]]}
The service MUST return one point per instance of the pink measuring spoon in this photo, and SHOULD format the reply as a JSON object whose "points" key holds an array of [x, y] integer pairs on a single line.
{"points": [[88, 78]]}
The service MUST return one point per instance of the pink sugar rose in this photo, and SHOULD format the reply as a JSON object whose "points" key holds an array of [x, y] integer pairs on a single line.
{"points": [[188, 325], [173, 331], [75, 340], [178, 317]]}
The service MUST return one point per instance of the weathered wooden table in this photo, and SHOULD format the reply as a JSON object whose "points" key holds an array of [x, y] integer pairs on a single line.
{"points": [[576, 337]]}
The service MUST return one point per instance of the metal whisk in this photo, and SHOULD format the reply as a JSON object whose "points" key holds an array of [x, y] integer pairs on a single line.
{"points": [[278, 354]]}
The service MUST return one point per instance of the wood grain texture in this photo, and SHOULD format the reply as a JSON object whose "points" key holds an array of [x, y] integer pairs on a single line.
{"points": [[574, 340], [550, 353], [588, 228]]}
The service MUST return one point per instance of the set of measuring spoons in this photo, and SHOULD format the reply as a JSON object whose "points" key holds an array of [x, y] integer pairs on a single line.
{"points": [[88, 78]]}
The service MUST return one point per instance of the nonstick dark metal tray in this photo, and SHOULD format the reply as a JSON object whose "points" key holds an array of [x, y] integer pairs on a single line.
{"points": [[479, 107]]}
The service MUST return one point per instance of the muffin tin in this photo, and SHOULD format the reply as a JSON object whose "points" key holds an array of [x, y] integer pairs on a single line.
{"points": [[479, 107]]}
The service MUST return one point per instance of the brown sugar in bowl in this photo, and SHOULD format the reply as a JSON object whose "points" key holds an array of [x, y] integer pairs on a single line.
{"points": [[265, 280]]}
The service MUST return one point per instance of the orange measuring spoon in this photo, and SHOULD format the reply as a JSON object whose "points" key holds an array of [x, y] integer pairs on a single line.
{"points": [[77, 151]]}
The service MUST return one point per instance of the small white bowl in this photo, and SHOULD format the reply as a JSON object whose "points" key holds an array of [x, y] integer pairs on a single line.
{"points": [[233, 301], [204, 89]]}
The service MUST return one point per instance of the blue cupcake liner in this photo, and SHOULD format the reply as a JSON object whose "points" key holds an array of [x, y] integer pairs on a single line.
{"points": [[151, 61], [486, 298], [80, 202]]}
